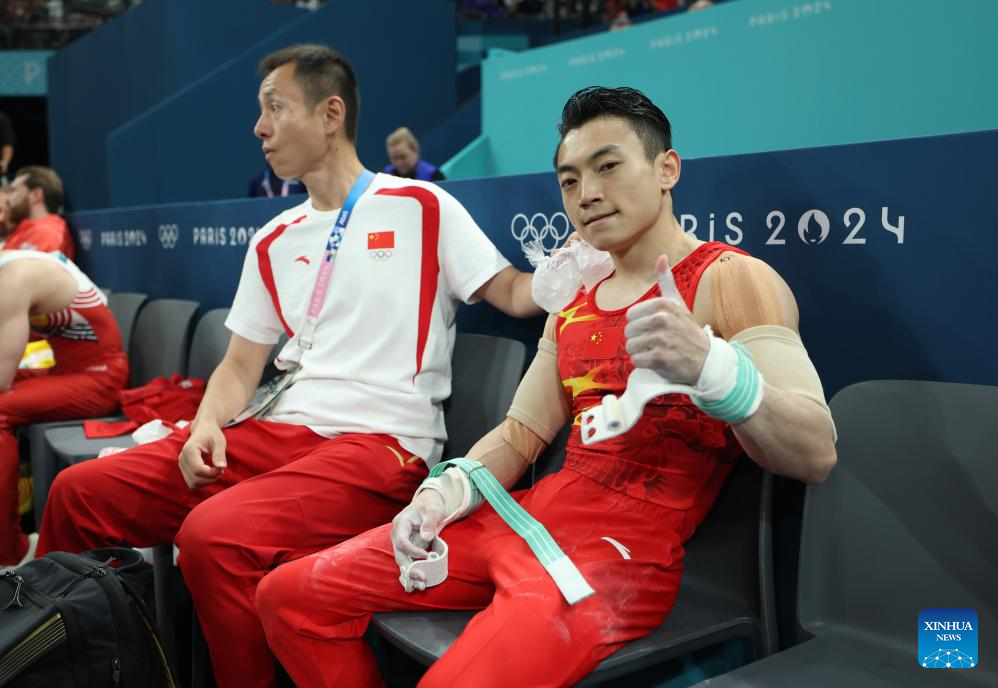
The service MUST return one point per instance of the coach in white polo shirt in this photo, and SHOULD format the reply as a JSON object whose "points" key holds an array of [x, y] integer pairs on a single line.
{"points": [[344, 446]]}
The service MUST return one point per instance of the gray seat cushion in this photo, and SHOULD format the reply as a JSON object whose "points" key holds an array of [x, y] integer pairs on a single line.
{"points": [[699, 617], [840, 658], [71, 446]]}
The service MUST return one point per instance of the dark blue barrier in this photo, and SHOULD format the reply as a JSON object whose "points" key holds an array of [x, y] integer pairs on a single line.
{"points": [[114, 73], [888, 247], [201, 139]]}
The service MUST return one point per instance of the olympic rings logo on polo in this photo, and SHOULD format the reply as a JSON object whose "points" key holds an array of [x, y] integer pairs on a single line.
{"points": [[549, 231], [380, 254], [86, 237], [169, 235]]}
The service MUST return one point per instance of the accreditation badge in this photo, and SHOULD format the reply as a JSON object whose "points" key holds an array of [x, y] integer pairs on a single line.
{"points": [[266, 395]]}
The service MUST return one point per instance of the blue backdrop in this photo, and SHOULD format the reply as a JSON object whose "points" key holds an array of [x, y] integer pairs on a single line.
{"points": [[112, 74], [888, 246], [202, 137], [159, 105]]}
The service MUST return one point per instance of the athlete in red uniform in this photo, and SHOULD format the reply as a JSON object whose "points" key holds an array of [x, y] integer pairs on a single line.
{"points": [[34, 200], [45, 295], [620, 509], [345, 446], [592, 362]]}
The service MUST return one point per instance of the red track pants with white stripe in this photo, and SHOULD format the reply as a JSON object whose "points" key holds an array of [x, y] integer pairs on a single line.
{"points": [[315, 610], [286, 493]]}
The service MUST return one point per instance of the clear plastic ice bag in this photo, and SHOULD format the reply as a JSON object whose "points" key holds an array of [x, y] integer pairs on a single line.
{"points": [[558, 277]]}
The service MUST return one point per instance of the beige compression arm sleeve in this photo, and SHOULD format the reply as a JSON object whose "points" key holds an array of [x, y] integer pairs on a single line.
{"points": [[780, 356], [539, 409]]}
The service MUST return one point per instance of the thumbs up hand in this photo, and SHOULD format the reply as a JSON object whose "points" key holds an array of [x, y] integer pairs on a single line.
{"points": [[663, 336]]}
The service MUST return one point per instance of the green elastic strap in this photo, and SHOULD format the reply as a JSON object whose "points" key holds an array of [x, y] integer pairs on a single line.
{"points": [[567, 577], [741, 400]]}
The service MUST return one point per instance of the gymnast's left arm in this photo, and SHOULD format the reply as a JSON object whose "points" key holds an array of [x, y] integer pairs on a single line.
{"points": [[791, 432], [753, 372]]}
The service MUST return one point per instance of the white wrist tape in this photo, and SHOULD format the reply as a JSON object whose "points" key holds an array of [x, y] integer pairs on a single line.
{"points": [[720, 370], [730, 388], [459, 495]]}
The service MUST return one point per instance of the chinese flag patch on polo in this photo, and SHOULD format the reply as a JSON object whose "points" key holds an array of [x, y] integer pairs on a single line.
{"points": [[603, 342], [380, 240]]}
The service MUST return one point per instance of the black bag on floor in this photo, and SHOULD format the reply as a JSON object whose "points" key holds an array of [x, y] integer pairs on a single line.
{"points": [[73, 620]]}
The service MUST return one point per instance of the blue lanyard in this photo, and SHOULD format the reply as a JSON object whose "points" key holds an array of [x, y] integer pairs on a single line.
{"points": [[326, 265]]}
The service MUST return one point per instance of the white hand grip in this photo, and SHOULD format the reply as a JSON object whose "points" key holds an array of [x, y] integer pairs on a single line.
{"points": [[614, 417], [434, 566]]}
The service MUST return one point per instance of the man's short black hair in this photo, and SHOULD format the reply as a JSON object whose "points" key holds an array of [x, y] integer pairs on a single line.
{"points": [[646, 119], [321, 72]]}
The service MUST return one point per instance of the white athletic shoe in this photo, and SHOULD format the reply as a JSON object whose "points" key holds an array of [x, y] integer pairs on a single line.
{"points": [[29, 555], [32, 546]]}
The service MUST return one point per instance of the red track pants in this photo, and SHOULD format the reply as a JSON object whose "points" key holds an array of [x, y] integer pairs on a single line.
{"points": [[315, 610], [287, 492], [36, 398]]}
